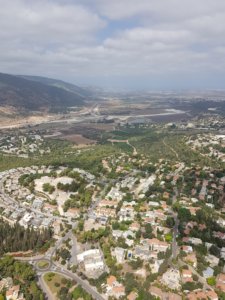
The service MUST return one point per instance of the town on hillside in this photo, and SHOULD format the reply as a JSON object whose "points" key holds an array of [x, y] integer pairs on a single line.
{"points": [[117, 223]]}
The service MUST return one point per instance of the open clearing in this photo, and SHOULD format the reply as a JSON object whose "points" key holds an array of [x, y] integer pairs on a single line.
{"points": [[78, 139]]}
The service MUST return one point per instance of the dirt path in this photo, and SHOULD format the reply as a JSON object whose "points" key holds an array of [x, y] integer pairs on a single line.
{"points": [[134, 149], [171, 149], [126, 142]]}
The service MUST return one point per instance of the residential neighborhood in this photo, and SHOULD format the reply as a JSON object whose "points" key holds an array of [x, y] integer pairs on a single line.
{"points": [[135, 228]]}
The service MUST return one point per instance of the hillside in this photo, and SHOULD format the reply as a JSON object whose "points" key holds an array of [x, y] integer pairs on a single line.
{"points": [[28, 95], [60, 84]]}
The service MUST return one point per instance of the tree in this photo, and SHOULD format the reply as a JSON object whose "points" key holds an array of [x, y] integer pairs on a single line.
{"points": [[184, 214], [136, 264], [168, 237], [63, 294], [211, 281], [47, 187], [79, 293], [23, 274], [148, 231], [17, 238], [130, 282], [214, 250], [81, 225], [170, 222]]}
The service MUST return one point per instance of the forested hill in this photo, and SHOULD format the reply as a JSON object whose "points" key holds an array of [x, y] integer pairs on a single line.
{"points": [[33, 95], [80, 91]]}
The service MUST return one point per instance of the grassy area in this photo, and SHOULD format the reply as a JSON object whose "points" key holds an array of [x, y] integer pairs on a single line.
{"points": [[43, 264], [155, 143], [161, 143], [56, 281], [123, 147], [89, 159]]}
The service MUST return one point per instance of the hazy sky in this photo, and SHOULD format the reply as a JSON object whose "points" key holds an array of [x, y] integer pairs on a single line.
{"points": [[118, 43]]}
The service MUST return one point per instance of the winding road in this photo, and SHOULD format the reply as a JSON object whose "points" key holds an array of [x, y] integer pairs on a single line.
{"points": [[57, 268], [126, 142], [171, 149]]}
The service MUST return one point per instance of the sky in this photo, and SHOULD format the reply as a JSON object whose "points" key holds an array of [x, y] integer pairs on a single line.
{"points": [[131, 44]]}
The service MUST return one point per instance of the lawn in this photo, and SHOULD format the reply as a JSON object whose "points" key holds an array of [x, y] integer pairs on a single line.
{"points": [[43, 264], [56, 281]]}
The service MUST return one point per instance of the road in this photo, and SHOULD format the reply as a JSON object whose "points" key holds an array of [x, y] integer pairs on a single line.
{"points": [[85, 284], [175, 231], [55, 267], [134, 148], [73, 260], [63, 271], [45, 288], [126, 142], [171, 149], [175, 248], [175, 234]]}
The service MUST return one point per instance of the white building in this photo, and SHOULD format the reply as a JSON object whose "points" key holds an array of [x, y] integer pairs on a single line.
{"points": [[119, 254], [172, 279], [92, 260]]}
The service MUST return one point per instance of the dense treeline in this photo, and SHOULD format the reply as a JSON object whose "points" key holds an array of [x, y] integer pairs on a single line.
{"points": [[68, 187], [17, 238]]}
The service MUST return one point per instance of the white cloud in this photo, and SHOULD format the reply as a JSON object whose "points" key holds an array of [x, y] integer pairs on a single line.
{"points": [[166, 9], [42, 22], [102, 38]]}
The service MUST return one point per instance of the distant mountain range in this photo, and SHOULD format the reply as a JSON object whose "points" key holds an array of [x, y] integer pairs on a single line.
{"points": [[33, 93]]}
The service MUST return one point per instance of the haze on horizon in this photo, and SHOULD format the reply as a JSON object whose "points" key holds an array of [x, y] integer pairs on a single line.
{"points": [[145, 44]]}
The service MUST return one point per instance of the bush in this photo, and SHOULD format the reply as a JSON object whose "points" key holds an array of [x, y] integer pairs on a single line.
{"points": [[211, 281], [48, 188], [136, 264]]}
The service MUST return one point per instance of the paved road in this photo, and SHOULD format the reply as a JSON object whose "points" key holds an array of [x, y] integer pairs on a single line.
{"points": [[175, 248], [45, 288], [85, 284], [31, 258], [175, 234], [73, 259], [55, 267]]}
